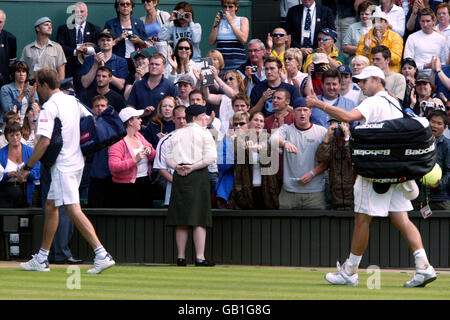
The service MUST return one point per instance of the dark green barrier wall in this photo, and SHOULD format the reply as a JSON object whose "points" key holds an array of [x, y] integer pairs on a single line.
{"points": [[21, 15]]}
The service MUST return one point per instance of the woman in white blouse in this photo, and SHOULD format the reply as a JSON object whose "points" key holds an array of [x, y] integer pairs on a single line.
{"points": [[395, 14]]}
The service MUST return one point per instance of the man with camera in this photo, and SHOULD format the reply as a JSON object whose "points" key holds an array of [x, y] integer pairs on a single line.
{"points": [[252, 71], [422, 102]]}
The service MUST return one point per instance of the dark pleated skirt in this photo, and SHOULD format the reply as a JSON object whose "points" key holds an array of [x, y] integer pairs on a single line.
{"points": [[190, 200]]}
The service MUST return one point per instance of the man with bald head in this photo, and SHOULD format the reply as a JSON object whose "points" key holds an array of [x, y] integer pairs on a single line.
{"points": [[8, 50], [73, 38]]}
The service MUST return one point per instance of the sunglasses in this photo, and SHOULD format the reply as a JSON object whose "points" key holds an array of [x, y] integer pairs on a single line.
{"points": [[278, 35], [229, 79], [289, 58], [240, 124], [184, 48], [228, 6], [323, 39], [125, 4]]}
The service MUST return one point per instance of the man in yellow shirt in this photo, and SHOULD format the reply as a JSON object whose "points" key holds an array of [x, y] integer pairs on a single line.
{"points": [[382, 35]]}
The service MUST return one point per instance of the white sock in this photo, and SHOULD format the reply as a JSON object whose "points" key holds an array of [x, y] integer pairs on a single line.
{"points": [[421, 259], [352, 264], [42, 255], [100, 253]]}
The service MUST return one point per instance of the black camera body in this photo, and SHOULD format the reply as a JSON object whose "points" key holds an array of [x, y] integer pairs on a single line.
{"points": [[181, 15], [338, 132], [254, 69], [221, 14]]}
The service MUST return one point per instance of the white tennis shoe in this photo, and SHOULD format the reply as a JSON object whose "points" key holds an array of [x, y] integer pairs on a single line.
{"points": [[34, 265], [422, 278], [102, 264], [341, 277]]}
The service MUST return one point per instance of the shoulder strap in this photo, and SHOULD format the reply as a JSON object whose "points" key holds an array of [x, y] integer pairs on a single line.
{"points": [[405, 114]]}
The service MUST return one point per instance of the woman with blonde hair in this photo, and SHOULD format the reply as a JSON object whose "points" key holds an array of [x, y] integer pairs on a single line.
{"points": [[358, 63], [293, 60], [161, 124]]}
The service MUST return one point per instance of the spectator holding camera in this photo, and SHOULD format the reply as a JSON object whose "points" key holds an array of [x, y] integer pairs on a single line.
{"points": [[334, 151], [422, 101], [252, 71], [230, 32], [181, 26], [318, 66]]}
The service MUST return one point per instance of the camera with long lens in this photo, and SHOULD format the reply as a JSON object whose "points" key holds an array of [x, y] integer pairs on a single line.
{"points": [[338, 132]]}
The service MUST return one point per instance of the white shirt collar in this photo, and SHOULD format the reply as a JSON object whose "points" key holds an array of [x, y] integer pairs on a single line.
{"points": [[313, 6]]}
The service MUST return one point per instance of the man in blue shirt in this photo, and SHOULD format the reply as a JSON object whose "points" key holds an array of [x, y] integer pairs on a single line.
{"points": [[261, 95], [331, 81], [105, 57], [148, 92]]}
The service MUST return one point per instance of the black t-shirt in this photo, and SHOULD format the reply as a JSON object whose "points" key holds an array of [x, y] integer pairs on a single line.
{"points": [[116, 100], [8, 51]]}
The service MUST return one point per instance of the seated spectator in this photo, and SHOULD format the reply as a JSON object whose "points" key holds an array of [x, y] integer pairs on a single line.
{"points": [[255, 184], [331, 82], [9, 118], [142, 59], [426, 43], [303, 178], [395, 14], [185, 85], [182, 62], [279, 40], [14, 194], [379, 35], [281, 103], [231, 33], [29, 127], [103, 79], [261, 96], [18, 95], [422, 101], [160, 164], [315, 70], [358, 63], [443, 19], [395, 82], [100, 190], [441, 77], [334, 151], [130, 162], [439, 194], [161, 124], [252, 71], [409, 71], [181, 25], [148, 92], [293, 61], [326, 39], [349, 89], [358, 29], [105, 57]]}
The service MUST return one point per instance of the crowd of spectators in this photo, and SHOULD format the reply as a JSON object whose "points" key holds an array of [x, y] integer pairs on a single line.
{"points": [[273, 151]]}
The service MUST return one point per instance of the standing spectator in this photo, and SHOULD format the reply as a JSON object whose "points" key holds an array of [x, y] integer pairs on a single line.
{"points": [[395, 14], [100, 191], [426, 43], [395, 82], [65, 173], [182, 62], [293, 61], [44, 52], [303, 177], [335, 152], [281, 100], [255, 185], [358, 29], [162, 124], [154, 18], [130, 162], [379, 35], [128, 33], [104, 79], [303, 23], [253, 71], [8, 51], [160, 163], [18, 95], [230, 32], [13, 192], [148, 92], [107, 58], [261, 96], [189, 152], [280, 41], [349, 89], [181, 25], [331, 82], [73, 37]]}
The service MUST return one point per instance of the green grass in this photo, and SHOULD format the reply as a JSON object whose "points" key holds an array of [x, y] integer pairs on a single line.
{"points": [[228, 283]]}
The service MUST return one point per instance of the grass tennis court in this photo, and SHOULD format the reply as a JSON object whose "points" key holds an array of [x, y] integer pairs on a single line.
{"points": [[220, 282]]}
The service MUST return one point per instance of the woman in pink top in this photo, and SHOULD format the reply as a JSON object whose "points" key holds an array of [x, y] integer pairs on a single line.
{"points": [[130, 163]]}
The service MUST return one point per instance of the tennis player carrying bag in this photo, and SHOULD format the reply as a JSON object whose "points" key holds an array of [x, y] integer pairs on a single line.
{"points": [[393, 151], [99, 132]]}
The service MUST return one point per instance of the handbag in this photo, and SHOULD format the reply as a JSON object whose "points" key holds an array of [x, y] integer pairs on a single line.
{"points": [[55, 146]]}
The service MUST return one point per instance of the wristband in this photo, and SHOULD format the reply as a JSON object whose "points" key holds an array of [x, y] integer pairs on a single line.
{"points": [[26, 167], [439, 71], [268, 51], [312, 174], [347, 138]]}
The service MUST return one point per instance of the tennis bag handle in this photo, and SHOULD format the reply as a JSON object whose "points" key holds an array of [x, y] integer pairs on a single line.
{"points": [[393, 151]]}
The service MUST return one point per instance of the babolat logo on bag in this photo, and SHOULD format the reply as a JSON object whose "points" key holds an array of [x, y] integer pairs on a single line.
{"points": [[359, 152], [413, 152], [375, 125]]}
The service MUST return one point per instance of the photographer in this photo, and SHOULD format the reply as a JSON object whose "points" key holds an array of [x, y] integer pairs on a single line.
{"points": [[422, 102], [181, 25], [315, 71], [335, 152]]}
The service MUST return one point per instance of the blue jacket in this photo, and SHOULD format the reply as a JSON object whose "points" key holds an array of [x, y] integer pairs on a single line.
{"points": [[34, 173], [225, 164], [442, 192], [321, 118], [114, 26]]}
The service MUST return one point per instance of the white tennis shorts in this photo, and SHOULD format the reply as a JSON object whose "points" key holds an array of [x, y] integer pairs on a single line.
{"points": [[64, 187], [367, 201]]}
